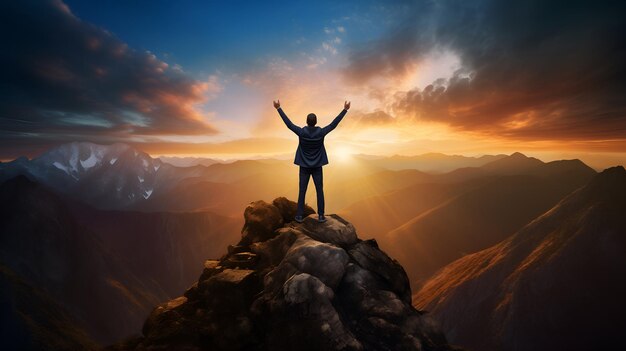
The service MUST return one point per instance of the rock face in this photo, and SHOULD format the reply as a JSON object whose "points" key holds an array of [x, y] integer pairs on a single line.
{"points": [[294, 286]]}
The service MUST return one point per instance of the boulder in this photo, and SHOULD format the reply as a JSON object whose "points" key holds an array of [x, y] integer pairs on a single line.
{"points": [[211, 267], [289, 208], [165, 323], [272, 251], [261, 220], [370, 257], [309, 300], [335, 230]]}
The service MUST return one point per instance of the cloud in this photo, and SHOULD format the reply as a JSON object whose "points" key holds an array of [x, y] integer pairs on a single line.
{"points": [[63, 76], [375, 118], [530, 69], [329, 47]]}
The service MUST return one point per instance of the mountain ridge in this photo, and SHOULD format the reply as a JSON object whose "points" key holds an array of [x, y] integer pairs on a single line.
{"points": [[543, 266], [457, 217]]}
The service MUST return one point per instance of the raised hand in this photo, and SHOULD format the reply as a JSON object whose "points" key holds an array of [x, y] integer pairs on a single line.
{"points": [[346, 105], [277, 104]]}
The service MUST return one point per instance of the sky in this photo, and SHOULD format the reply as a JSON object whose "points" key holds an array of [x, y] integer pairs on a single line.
{"points": [[197, 78]]}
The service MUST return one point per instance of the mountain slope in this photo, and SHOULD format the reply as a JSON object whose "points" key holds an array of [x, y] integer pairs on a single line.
{"points": [[41, 242], [163, 247], [382, 213], [397, 203], [105, 268], [558, 283], [480, 216], [430, 162], [32, 320]]}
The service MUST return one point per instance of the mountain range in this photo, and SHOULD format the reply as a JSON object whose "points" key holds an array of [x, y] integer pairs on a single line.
{"points": [[556, 284], [120, 177], [432, 223], [85, 226]]}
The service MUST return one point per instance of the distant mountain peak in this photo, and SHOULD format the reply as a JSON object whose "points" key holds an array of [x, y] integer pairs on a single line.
{"points": [[608, 185], [107, 176], [613, 176], [518, 155], [514, 164], [616, 170]]}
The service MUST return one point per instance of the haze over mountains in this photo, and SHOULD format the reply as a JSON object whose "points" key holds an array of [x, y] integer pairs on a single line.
{"points": [[120, 177], [134, 228], [481, 212]]}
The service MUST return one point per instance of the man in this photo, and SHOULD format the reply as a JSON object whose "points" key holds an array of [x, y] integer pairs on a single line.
{"points": [[311, 155]]}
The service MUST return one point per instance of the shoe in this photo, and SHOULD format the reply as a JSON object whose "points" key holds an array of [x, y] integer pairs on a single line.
{"points": [[299, 219], [321, 219]]}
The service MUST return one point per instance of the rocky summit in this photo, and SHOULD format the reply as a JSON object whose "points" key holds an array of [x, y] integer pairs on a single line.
{"points": [[293, 286]]}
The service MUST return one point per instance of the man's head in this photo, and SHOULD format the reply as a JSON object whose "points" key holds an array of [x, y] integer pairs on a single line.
{"points": [[311, 119]]}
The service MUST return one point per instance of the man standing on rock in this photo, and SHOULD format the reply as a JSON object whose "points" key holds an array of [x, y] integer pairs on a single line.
{"points": [[311, 155]]}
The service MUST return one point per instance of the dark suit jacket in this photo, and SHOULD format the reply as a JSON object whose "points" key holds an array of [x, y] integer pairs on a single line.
{"points": [[311, 151]]}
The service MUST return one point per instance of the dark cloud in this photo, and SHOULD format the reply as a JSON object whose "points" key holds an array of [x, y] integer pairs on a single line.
{"points": [[65, 78], [531, 69]]}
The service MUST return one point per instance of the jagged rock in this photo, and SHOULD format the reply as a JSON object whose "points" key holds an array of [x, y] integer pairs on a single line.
{"points": [[272, 252], [164, 322], [289, 208], [309, 300], [305, 286], [228, 281], [334, 231], [324, 261], [211, 267], [369, 256], [241, 260], [237, 248], [192, 292], [261, 219]]}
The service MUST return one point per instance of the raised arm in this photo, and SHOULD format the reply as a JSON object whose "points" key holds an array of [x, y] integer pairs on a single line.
{"points": [[294, 128], [335, 122]]}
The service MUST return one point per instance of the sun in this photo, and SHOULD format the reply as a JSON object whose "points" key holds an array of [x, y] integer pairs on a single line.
{"points": [[343, 154]]}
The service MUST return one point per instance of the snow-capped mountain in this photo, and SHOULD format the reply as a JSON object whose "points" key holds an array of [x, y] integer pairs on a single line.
{"points": [[107, 176]]}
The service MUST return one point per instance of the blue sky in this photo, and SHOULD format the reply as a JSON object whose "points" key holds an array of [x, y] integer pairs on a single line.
{"points": [[231, 36], [198, 77]]}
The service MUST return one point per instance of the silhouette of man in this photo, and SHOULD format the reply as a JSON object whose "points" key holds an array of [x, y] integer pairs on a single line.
{"points": [[311, 155]]}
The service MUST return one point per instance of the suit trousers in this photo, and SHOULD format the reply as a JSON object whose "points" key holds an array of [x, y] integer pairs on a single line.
{"points": [[305, 173]]}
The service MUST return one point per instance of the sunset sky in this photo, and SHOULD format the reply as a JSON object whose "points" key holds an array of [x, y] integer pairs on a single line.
{"points": [[198, 77]]}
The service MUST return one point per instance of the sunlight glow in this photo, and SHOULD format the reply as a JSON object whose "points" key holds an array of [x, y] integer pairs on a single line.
{"points": [[343, 154]]}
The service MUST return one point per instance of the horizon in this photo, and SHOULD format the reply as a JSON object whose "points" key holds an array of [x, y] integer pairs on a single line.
{"points": [[347, 157], [184, 80]]}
